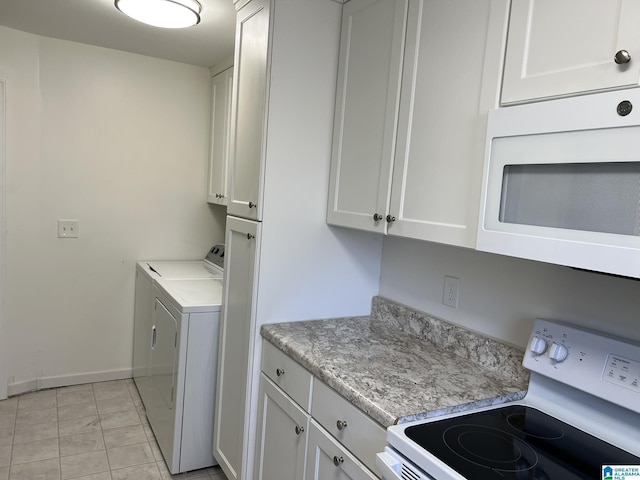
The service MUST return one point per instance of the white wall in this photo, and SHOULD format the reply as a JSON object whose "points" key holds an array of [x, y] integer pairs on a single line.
{"points": [[120, 142], [319, 271], [501, 296]]}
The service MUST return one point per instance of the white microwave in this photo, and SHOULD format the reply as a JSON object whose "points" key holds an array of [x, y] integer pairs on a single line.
{"points": [[561, 182]]}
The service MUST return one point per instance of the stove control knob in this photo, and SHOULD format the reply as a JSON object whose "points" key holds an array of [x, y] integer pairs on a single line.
{"points": [[558, 352], [538, 345]]}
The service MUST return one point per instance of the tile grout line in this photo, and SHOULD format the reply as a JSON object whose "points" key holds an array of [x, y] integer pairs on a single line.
{"points": [[13, 438], [58, 439], [104, 442]]}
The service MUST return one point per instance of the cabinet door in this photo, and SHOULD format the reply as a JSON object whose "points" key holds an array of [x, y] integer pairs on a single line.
{"points": [[236, 335], [450, 81], [327, 459], [366, 112], [282, 435], [562, 47], [221, 88], [249, 110]]}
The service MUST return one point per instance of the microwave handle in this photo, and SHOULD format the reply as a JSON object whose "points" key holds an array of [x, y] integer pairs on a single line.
{"points": [[388, 466]]}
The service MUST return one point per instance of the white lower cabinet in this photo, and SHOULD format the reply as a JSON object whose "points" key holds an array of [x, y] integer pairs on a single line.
{"points": [[340, 442], [328, 459], [363, 436], [282, 437]]}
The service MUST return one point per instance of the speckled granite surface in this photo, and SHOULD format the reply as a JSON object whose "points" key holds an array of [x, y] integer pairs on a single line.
{"points": [[399, 365]]}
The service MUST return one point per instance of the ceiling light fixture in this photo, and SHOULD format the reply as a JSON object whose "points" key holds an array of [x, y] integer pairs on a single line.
{"points": [[162, 13]]}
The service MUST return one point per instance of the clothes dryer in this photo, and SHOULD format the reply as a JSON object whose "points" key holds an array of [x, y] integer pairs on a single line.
{"points": [[179, 391], [176, 318]]}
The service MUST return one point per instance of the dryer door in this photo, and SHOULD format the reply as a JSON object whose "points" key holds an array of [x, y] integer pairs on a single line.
{"points": [[162, 379], [164, 354]]}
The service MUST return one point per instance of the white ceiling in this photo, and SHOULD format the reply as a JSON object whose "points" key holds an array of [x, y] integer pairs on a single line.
{"points": [[98, 22]]}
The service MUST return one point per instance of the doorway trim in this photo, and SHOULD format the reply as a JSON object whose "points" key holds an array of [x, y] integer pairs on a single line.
{"points": [[3, 147]]}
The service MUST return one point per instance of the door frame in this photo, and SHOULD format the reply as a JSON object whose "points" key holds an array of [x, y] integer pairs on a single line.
{"points": [[3, 124]]}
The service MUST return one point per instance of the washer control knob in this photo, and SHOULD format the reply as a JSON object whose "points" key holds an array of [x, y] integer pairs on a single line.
{"points": [[538, 345], [558, 352]]}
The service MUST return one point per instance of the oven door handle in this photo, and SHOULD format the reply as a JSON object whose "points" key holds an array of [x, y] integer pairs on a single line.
{"points": [[388, 466]]}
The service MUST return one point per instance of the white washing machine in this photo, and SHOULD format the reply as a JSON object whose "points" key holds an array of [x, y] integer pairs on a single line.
{"points": [[147, 273], [177, 321], [212, 266]]}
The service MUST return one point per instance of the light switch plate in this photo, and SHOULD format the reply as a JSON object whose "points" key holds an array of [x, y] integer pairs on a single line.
{"points": [[68, 228]]}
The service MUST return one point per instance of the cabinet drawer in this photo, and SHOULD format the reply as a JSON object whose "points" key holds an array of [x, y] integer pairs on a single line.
{"points": [[288, 374], [329, 459], [363, 436]]}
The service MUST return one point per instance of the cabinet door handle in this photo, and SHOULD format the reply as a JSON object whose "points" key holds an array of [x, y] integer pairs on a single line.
{"points": [[390, 219], [377, 217], [299, 430], [622, 57], [337, 461], [279, 372], [153, 337], [341, 424], [250, 236], [252, 205]]}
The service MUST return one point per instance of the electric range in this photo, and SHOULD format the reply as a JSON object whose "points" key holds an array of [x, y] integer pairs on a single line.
{"points": [[580, 419]]}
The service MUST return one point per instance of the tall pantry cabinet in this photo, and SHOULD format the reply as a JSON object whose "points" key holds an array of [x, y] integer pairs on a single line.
{"points": [[283, 262]]}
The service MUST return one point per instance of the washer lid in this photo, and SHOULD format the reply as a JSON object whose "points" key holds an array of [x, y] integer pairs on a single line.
{"points": [[184, 269], [193, 295]]}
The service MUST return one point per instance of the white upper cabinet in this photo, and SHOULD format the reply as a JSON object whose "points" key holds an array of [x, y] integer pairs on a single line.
{"points": [[248, 111], [450, 81], [371, 47], [564, 47], [415, 85], [221, 88]]}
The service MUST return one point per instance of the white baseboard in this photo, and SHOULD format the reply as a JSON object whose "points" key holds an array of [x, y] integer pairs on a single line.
{"points": [[66, 380], [21, 387]]}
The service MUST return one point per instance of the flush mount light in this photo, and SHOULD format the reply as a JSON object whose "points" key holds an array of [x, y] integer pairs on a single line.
{"points": [[162, 13]]}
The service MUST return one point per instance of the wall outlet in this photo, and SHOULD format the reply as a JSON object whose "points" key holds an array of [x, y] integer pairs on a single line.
{"points": [[451, 291], [68, 228]]}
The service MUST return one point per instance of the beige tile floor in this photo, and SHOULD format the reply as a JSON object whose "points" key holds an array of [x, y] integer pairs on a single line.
{"points": [[85, 432]]}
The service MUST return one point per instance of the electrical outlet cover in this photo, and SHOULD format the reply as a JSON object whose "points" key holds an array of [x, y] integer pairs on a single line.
{"points": [[68, 228]]}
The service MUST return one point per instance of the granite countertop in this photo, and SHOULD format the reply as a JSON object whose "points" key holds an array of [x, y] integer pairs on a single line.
{"points": [[399, 365]]}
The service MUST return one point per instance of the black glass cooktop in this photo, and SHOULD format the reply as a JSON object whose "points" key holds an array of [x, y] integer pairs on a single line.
{"points": [[517, 442]]}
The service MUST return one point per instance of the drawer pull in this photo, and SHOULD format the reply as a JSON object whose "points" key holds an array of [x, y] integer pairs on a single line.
{"points": [[299, 430], [622, 57], [337, 461], [341, 424], [279, 372]]}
